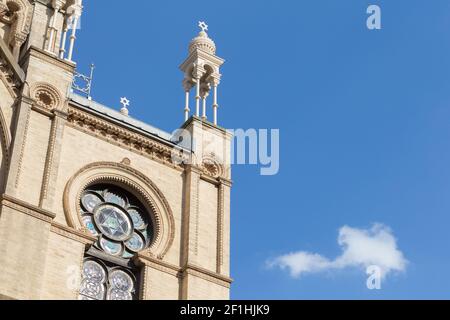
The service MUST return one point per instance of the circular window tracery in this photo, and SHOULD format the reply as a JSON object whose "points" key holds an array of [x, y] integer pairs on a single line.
{"points": [[117, 218]]}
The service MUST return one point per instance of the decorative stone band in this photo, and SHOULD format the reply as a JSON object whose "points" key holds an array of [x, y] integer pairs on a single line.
{"points": [[211, 169], [176, 271], [27, 208], [207, 275], [113, 133], [72, 234]]}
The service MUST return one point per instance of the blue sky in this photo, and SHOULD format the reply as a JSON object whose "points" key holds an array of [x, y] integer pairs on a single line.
{"points": [[364, 118]]}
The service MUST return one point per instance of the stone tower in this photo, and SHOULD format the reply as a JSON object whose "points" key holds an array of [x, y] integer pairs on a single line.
{"points": [[94, 203]]}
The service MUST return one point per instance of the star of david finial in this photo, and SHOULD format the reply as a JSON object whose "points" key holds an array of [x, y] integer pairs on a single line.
{"points": [[125, 103], [203, 26]]}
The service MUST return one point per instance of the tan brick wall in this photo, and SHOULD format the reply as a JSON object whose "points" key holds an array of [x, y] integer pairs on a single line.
{"points": [[23, 253], [40, 22], [63, 268], [207, 227], [201, 289], [161, 285], [34, 158]]}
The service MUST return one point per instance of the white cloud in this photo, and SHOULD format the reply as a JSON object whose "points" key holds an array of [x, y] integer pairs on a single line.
{"points": [[362, 248]]}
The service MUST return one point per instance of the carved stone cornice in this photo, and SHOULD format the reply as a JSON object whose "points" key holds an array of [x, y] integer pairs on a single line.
{"points": [[126, 138]]}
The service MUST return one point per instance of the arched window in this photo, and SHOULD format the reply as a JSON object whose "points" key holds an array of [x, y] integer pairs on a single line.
{"points": [[105, 281], [123, 228]]}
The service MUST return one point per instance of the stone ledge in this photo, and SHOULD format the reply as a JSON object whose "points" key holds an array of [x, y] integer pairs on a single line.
{"points": [[27, 208], [207, 275], [72, 234], [50, 58]]}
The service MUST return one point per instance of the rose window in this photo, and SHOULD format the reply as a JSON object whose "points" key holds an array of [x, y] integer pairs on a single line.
{"points": [[118, 219]]}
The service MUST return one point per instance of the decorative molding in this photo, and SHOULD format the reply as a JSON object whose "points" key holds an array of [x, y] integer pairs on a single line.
{"points": [[8, 77], [46, 96], [128, 139], [207, 275], [49, 160], [143, 285], [21, 22], [226, 182], [136, 182], [52, 59], [158, 265], [27, 208], [211, 167], [72, 234], [197, 212], [220, 231], [15, 69], [22, 147], [126, 161], [182, 272]]}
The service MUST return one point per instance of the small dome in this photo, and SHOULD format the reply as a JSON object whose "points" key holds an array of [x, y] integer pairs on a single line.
{"points": [[203, 42]]}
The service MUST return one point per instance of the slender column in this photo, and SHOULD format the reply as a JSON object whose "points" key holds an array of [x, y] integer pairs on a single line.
{"points": [[186, 108], [204, 107], [197, 98], [215, 105], [73, 36], [62, 50], [53, 27]]}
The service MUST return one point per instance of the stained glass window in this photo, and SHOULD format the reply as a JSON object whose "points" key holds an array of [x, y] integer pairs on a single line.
{"points": [[118, 219], [103, 282]]}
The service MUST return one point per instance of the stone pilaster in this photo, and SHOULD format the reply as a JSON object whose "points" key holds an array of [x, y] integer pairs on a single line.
{"points": [[223, 227], [21, 127], [190, 231], [52, 161]]}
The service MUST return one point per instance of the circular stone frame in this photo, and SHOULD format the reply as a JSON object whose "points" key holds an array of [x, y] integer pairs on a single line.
{"points": [[132, 181]]}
